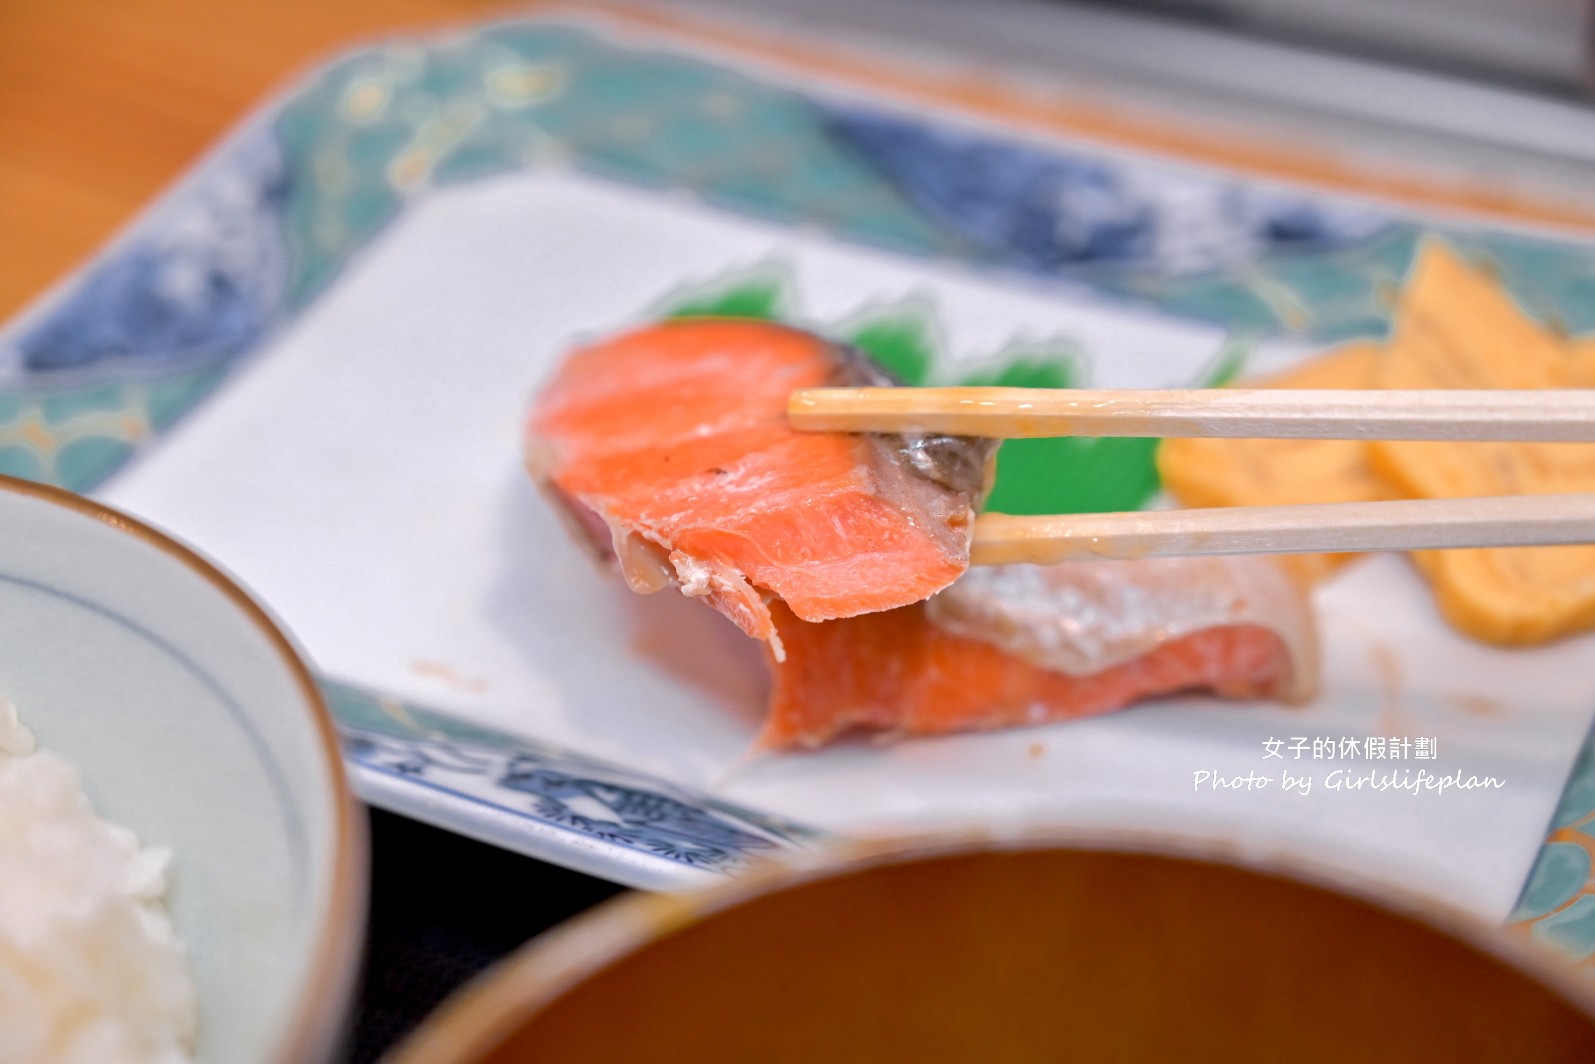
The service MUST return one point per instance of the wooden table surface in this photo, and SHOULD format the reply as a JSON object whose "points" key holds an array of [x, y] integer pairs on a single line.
{"points": [[104, 102]]}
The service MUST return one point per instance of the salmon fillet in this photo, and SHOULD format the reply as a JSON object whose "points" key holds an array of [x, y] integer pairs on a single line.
{"points": [[1026, 645], [669, 448]]}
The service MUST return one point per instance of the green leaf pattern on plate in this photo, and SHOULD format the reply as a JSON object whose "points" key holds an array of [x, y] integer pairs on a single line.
{"points": [[1037, 476]]}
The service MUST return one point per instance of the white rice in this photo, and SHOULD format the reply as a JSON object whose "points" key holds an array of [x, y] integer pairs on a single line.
{"points": [[91, 968]]}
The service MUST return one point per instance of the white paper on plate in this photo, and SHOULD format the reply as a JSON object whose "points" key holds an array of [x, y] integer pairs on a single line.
{"points": [[363, 476]]}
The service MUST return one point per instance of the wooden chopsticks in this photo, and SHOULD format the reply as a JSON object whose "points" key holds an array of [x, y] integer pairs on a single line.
{"points": [[1409, 524], [1524, 415], [1403, 524]]}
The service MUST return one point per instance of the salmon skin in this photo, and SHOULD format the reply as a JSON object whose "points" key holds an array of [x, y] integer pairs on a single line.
{"points": [[1026, 645], [669, 448], [1085, 617]]}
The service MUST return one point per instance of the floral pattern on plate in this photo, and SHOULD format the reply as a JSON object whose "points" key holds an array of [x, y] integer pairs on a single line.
{"points": [[556, 788], [275, 215]]}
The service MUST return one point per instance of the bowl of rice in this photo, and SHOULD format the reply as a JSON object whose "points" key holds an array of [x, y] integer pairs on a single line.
{"points": [[182, 867]]}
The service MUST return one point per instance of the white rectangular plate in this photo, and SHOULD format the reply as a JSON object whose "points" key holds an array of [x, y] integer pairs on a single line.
{"points": [[381, 268]]}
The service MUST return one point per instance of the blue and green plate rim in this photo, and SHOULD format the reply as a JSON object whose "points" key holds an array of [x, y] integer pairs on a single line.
{"points": [[83, 389]]}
